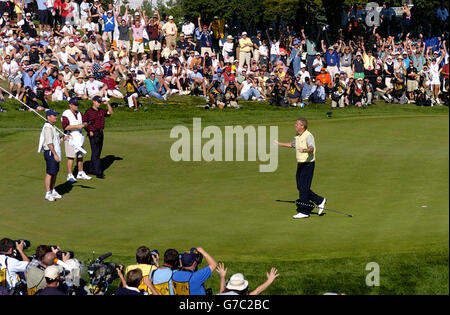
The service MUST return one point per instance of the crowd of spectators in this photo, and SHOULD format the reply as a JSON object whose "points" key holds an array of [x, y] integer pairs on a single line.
{"points": [[53, 272], [56, 50]]}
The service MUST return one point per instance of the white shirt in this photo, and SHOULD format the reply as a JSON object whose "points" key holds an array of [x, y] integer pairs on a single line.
{"points": [[84, 6], [227, 48], [13, 267], [67, 29], [188, 29], [263, 51], [303, 75], [9, 68], [79, 88], [246, 87], [93, 88], [275, 48]]}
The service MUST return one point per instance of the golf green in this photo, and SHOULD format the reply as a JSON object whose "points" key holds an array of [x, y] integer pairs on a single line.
{"points": [[390, 172]]}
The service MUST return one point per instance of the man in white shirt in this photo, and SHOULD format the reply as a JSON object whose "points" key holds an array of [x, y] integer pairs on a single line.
{"points": [[188, 28], [94, 87], [11, 70], [11, 267], [303, 73]]}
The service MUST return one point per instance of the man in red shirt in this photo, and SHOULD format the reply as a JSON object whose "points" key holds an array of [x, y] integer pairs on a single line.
{"points": [[95, 119], [59, 89], [111, 85]]}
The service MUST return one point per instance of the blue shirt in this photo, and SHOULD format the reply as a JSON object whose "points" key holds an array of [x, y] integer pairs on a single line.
{"points": [[332, 59], [205, 39], [152, 85], [41, 4], [196, 279], [30, 81], [163, 275], [109, 23]]}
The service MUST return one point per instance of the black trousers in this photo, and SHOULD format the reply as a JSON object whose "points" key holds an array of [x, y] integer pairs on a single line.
{"points": [[96, 142], [304, 176]]}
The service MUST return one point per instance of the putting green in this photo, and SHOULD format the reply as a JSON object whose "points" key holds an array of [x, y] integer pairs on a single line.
{"points": [[391, 173]]}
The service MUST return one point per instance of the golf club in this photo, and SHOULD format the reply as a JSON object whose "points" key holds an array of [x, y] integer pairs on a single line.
{"points": [[78, 148], [314, 206]]}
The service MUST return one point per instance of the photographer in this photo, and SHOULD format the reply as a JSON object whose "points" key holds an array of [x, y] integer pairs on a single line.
{"points": [[162, 277], [294, 91], [52, 279], [338, 91], [12, 269], [147, 261], [189, 280]]}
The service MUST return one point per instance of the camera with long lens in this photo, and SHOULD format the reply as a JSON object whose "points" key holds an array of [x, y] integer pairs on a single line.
{"points": [[15, 254], [60, 253], [154, 253], [101, 274]]}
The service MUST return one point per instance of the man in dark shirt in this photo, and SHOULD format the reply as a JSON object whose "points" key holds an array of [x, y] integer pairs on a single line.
{"points": [[95, 117]]}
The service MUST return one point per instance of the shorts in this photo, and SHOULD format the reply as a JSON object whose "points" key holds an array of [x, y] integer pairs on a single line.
{"points": [[52, 167], [412, 85], [15, 80], [70, 151], [154, 45], [138, 47]]}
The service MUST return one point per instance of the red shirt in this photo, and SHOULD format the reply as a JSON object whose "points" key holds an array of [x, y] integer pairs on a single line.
{"points": [[57, 83], [445, 71], [95, 118], [110, 83]]}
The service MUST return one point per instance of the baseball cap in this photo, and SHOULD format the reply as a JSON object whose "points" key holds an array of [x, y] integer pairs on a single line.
{"points": [[229, 37], [358, 54], [51, 112], [137, 13], [187, 259], [97, 99], [170, 17], [297, 42], [52, 272], [74, 101], [244, 33], [237, 282], [28, 14]]}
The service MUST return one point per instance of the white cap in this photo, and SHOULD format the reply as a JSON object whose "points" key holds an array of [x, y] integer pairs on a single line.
{"points": [[170, 17], [244, 33]]}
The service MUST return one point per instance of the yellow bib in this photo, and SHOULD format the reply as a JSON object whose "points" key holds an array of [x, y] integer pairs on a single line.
{"points": [[300, 143]]}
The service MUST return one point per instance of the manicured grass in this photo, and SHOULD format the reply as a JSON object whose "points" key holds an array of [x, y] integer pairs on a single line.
{"points": [[383, 164]]}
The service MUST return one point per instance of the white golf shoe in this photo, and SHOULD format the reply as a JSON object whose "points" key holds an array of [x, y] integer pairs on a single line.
{"points": [[83, 175], [300, 216], [321, 206], [56, 195], [49, 197], [71, 178]]}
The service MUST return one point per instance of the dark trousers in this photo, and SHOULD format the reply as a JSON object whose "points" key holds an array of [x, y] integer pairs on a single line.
{"points": [[305, 173], [95, 167]]}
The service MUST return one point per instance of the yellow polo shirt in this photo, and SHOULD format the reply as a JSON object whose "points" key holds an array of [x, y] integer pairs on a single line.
{"points": [[243, 42]]}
